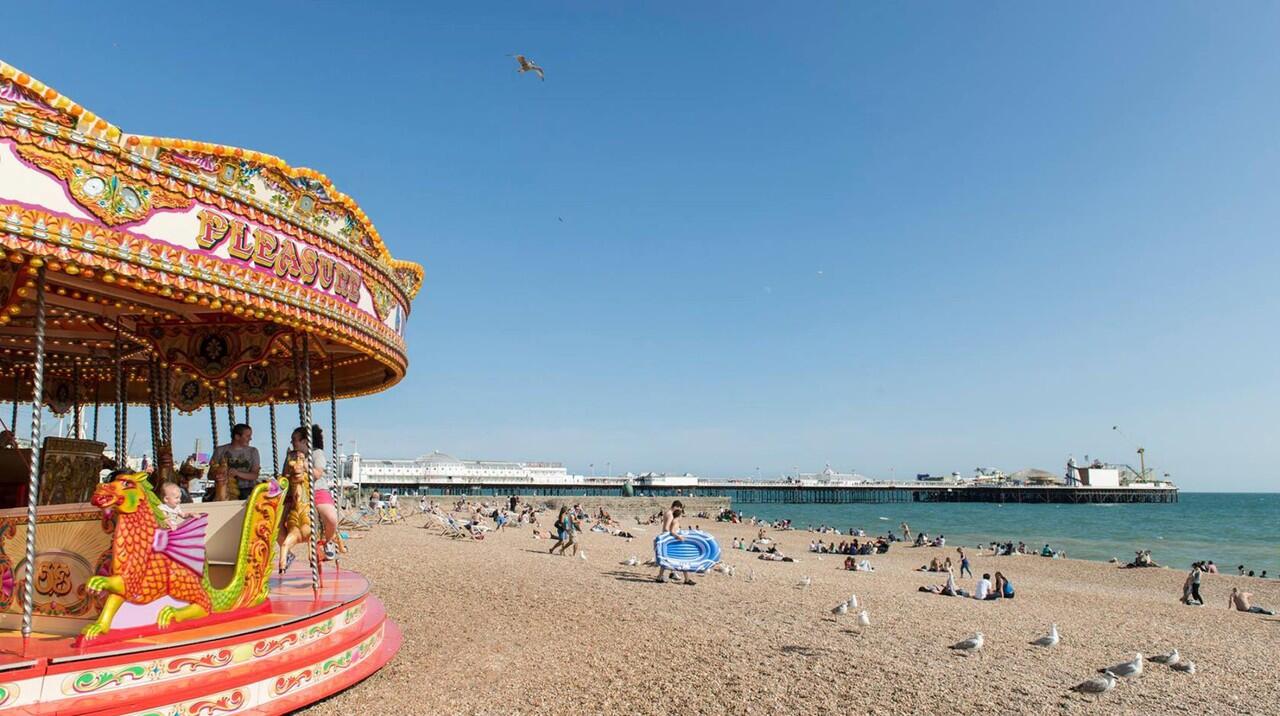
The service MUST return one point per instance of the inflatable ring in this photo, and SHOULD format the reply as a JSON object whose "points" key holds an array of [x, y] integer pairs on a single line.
{"points": [[697, 552]]}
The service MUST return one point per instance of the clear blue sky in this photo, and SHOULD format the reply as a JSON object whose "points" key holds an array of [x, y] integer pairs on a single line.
{"points": [[917, 236]]}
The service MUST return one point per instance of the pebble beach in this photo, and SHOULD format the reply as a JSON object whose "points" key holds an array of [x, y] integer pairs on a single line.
{"points": [[499, 626]]}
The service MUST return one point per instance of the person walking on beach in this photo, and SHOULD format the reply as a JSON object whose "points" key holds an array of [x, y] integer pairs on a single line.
{"points": [[906, 532], [671, 523], [964, 562], [564, 533], [1191, 587]]}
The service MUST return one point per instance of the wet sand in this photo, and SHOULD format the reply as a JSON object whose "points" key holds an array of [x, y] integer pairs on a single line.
{"points": [[500, 627]]}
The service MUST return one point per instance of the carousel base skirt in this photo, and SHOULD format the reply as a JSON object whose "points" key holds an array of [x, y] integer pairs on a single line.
{"points": [[295, 650]]}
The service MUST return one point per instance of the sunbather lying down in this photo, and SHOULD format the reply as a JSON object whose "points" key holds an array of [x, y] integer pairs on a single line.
{"points": [[775, 556]]}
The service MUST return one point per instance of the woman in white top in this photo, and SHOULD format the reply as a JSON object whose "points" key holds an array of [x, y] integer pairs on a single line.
{"points": [[321, 487]]}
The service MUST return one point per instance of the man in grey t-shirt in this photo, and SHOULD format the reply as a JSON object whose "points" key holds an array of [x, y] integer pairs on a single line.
{"points": [[243, 464]]}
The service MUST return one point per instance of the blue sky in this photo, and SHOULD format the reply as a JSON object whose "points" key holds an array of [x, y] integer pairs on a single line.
{"points": [[720, 236]]}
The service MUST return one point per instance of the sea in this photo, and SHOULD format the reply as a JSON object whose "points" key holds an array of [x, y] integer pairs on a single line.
{"points": [[1232, 529]]}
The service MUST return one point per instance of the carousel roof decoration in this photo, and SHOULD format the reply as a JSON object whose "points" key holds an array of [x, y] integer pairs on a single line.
{"points": [[211, 259]]}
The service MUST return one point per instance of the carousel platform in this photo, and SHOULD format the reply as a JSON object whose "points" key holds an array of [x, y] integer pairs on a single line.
{"points": [[293, 650]]}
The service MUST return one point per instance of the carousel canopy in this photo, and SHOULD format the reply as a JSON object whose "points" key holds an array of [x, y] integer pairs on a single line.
{"points": [[209, 261]]}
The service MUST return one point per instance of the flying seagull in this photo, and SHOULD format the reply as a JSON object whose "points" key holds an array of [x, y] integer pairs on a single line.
{"points": [[527, 65], [1050, 639], [972, 645], [1128, 668], [1098, 685]]}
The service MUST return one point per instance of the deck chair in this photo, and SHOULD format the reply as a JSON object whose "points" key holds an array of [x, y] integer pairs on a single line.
{"points": [[451, 528]]}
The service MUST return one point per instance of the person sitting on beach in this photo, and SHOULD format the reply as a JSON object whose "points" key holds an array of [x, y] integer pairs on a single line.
{"points": [[1003, 588], [1046, 552], [983, 590], [1241, 602], [1211, 568]]}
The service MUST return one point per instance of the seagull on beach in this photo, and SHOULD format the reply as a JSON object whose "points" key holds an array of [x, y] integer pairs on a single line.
{"points": [[853, 601], [1098, 685], [632, 561], [527, 65], [1050, 639], [1186, 667], [1128, 668], [805, 581], [751, 574], [840, 609], [864, 619], [972, 645], [1168, 659], [582, 555]]}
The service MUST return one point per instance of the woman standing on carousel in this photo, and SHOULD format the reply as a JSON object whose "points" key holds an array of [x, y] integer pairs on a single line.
{"points": [[297, 524]]}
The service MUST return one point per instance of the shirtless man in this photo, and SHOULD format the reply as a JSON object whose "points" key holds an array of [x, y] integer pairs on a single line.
{"points": [[670, 523], [1240, 602]]}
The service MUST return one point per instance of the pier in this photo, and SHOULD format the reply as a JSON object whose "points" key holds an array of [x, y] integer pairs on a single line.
{"points": [[749, 492]]}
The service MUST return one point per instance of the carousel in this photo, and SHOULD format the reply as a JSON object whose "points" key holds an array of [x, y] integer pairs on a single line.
{"points": [[187, 278]]}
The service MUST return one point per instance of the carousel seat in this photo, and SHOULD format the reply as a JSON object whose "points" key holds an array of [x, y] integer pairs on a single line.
{"points": [[14, 477], [70, 470]]}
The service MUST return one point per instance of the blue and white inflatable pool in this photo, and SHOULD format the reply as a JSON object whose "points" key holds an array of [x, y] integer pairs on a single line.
{"points": [[697, 552]]}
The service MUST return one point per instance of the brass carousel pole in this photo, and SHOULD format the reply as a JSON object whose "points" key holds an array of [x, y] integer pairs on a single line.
{"points": [[332, 472], [303, 371], [33, 483], [17, 385]]}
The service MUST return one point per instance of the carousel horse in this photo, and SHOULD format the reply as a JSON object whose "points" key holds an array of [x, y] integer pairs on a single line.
{"points": [[297, 520]]}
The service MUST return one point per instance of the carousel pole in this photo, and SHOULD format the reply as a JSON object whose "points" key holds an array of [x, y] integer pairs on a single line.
{"points": [[275, 454], [75, 398], [119, 450], [246, 414], [213, 422], [168, 408], [332, 472], [231, 410], [303, 370], [153, 398], [97, 403], [17, 385], [33, 483]]}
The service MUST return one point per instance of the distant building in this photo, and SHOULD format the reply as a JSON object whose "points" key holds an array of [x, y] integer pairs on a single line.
{"points": [[437, 468]]}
